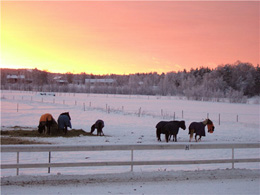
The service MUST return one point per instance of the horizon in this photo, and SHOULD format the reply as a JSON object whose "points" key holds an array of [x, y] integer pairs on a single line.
{"points": [[126, 38], [159, 73]]}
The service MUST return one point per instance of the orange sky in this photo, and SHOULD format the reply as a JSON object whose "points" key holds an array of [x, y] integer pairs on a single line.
{"points": [[127, 37]]}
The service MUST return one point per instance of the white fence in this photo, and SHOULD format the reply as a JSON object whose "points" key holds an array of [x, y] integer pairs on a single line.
{"points": [[132, 148]]}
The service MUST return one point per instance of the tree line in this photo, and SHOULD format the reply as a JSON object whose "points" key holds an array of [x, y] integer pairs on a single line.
{"points": [[236, 82]]}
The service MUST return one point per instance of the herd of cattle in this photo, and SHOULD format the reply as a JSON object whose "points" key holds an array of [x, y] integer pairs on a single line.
{"points": [[169, 128]]}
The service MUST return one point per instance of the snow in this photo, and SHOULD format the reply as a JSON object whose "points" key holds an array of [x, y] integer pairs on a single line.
{"points": [[172, 182], [131, 119]]}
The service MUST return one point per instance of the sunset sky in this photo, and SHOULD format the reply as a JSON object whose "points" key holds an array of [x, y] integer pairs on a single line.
{"points": [[127, 37]]}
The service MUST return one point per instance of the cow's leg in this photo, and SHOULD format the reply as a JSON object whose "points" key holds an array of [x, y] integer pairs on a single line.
{"points": [[191, 134], [159, 138], [158, 133], [175, 139], [99, 131], [65, 129], [92, 128], [166, 136]]}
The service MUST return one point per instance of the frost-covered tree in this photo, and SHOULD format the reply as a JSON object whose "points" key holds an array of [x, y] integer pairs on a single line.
{"points": [[232, 81]]}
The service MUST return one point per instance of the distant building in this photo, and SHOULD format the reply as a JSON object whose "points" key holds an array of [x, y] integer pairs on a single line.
{"points": [[78, 81], [99, 81], [59, 80], [15, 78]]}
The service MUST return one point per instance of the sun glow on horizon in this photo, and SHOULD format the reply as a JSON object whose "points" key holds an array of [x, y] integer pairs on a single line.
{"points": [[127, 37]]}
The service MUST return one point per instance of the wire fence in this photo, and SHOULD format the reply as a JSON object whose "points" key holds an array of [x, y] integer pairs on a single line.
{"points": [[127, 105]]}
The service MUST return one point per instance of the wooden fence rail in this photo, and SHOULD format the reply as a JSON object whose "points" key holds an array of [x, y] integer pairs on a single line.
{"points": [[132, 148]]}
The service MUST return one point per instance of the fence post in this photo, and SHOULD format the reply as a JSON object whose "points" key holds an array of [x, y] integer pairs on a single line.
{"points": [[49, 168], [182, 114], [233, 156], [139, 114], [237, 118], [17, 161], [218, 119], [132, 160], [17, 107]]}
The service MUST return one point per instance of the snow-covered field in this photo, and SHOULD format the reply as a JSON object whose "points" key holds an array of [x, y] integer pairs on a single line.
{"points": [[131, 120]]}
